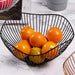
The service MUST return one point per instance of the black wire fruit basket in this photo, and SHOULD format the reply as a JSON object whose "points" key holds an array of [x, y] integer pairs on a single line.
{"points": [[10, 33]]}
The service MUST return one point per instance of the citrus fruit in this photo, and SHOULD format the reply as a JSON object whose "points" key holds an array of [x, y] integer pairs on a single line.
{"points": [[37, 39], [48, 46], [36, 59], [26, 32], [54, 34], [24, 47]]}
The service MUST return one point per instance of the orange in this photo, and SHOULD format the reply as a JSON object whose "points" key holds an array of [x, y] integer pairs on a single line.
{"points": [[24, 47], [48, 46], [37, 39], [26, 32], [54, 34], [38, 58]]}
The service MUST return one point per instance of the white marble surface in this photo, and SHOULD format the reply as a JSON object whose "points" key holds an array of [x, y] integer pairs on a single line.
{"points": [[9, 65]]}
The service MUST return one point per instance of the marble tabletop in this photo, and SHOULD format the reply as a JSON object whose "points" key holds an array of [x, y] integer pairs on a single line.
{"points": [[10, 65]]}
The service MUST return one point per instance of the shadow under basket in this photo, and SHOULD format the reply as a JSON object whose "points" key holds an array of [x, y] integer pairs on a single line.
{"points": [[10, 33]]}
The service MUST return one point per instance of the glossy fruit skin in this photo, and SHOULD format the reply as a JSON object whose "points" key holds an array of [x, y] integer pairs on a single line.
{"points": [[24, 47], [36, 59], [5, 3], [26, 32], [54, 34], [46, 47], [37, 39]]}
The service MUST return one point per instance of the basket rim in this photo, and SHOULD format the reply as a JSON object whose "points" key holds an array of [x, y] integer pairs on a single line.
{"points": [[38, 14]]}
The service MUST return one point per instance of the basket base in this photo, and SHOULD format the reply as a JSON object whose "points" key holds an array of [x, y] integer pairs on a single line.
{"points": [[27, 60]]}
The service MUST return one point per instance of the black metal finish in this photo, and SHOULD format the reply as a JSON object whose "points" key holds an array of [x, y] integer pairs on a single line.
{"points": [[0, 33], [10, 32]]}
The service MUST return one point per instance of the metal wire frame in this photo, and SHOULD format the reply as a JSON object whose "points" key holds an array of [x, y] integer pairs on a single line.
{"points": [[10, 33], [69, 65], [5, 5]]}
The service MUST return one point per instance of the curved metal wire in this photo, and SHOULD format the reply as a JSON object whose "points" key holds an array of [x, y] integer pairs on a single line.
{"points": [[69, 65], [10, 31]]}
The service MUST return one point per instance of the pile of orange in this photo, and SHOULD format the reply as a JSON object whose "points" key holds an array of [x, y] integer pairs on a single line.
{"points": [[37, 45]]}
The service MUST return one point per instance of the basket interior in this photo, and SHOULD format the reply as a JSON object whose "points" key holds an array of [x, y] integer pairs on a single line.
{"points": [[40, 23]]}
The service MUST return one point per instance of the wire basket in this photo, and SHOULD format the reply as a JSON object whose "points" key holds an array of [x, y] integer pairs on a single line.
{"points": [[10, 32], [69, 65], [5, 5]]}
